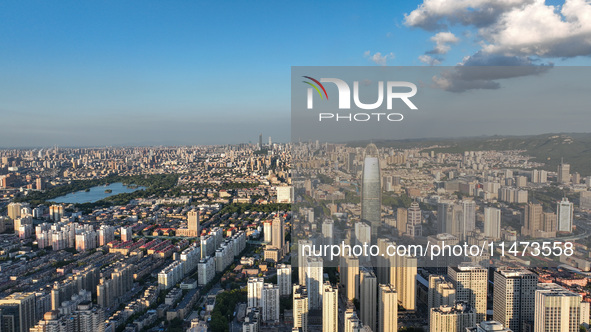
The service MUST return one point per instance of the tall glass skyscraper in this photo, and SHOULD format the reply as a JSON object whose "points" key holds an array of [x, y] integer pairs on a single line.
{"points": [[371, 191]]}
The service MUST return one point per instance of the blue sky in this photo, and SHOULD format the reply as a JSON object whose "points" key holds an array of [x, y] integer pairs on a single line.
{"points": [[186, 72]]}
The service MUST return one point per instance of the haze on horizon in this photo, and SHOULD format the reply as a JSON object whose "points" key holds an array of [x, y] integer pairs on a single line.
{"points": [[150, 73]]}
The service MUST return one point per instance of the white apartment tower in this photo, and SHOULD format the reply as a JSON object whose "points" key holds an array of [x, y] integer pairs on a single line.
{"points": [[514, 298], [556, 309], [387, 309], [314, 276], [330, 308], [471, 284], [255, 291], [284, 279]]}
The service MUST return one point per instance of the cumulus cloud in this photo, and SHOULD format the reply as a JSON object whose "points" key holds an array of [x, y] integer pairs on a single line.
{"points": [[542, 30], [440, 14], [378, 58], [483, 71], [512, 33], [429, 60], [442, 42]]}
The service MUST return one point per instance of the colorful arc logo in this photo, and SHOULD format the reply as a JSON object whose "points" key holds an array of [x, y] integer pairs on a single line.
{"points": [[316, 87]]}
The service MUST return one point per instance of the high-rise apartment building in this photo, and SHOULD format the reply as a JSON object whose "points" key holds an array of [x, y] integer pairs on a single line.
{"points": [[532, 219], [352, 322], [330, 308], [300, 308], [255, 291], [471, 284], [362, 233], [314, 282], [538, 176], [492, 223], [56, 212], [267, 231], [53, 321], [401, 220], [454, 318], [328, 232], [564, 212], [350, 277], [252, 320], [556, 309], [468, 217], [205, 270], [270, 303], [450, 217], [383, 262], [403, 274], [387, 309], [284, 279], [441, 292], [14, 210], [284, 194], [514, 298], [367, 298], [414, 220], [489, 326], [563, 173], [193, 222], [18, 312], [585, 200], [302, 254], [126, 234], [89, 318], [278, 231], [106, 234]]}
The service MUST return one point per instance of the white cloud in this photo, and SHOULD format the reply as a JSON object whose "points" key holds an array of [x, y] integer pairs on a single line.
{"points": [[483, 71], [510, 32], [542, 30], [378, 58], [429, 60], [510, 27], [438, 14], [442, 41]]}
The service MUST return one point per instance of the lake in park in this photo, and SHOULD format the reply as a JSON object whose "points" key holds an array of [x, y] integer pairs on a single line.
{"points": [[95, 193]]}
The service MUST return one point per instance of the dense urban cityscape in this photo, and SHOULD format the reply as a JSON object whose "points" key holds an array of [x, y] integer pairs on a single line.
{"points": [[149, 239], [213, 238], [295, 166]]}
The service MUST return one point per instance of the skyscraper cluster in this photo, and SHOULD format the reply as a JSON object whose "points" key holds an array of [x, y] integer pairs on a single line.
{"points": [[265, 297], [457, 219]]}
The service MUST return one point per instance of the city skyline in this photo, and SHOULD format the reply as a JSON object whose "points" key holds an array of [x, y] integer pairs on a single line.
{"points": [[251, 141], [132, 251], [334, 166]]}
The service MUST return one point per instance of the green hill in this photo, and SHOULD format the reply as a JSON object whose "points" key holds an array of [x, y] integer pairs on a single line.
{"points": [[575, 148]]}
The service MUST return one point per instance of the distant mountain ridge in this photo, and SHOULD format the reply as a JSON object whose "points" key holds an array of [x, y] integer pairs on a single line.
{"points": [[575, 148]]}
